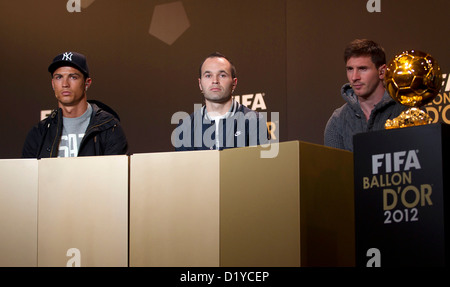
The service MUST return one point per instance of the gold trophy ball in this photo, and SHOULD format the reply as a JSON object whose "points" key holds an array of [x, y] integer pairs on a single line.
{"points": [[413, 78]]}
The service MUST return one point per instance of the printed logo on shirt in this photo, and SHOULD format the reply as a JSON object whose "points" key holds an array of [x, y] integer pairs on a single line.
{"points": [[68, 147]]}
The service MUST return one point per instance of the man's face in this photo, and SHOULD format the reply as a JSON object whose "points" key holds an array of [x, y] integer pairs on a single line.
{"points": [[216, 82], [69, 86], [364, 77]]}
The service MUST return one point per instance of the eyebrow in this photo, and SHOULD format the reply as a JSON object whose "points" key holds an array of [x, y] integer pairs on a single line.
{"points": [[357, 67], [210, 72], [70, 74]]}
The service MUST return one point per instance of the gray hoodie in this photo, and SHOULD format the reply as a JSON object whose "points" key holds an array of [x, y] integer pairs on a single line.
{"points": [[349, 119]]}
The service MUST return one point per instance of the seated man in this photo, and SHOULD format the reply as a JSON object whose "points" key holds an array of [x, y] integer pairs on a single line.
{"points": [[368, 104], [78, 127], [222, 122]]}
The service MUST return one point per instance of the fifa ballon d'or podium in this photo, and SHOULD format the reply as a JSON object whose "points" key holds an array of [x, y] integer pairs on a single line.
{"points": [[401, 175]]}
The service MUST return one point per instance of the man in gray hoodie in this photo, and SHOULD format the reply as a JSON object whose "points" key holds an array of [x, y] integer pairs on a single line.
{"points": [[368, 105]]}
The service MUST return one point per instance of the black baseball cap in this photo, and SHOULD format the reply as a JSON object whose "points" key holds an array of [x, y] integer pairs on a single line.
{"points": [[73, 59]]}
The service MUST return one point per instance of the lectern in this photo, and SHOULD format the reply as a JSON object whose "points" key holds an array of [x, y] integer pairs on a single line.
{"points": [[238, 208], [401, 196], [18, 212], [64, 212], [83, 212]]}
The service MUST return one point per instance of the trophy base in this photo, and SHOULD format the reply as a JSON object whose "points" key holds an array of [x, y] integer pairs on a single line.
{"points": [[410, 117]]}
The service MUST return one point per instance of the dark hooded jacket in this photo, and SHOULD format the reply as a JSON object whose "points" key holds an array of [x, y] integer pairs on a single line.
{"points": [[242, 127], [103, 136]]}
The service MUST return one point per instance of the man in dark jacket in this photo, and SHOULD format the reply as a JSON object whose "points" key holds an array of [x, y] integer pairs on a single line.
{"points": [[222, 122], [78, 127]]}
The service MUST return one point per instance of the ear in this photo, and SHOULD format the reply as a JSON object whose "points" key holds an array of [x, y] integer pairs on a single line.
{"points": [[382, 71], [87, 83], [200, 85], [234, 84]]}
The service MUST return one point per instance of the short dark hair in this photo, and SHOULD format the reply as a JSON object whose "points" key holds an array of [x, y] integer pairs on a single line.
{"points": [[218, 55], [364, 47]]}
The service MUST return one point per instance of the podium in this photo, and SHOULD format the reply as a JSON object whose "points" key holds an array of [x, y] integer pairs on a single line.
{"points": [[236, 208], [230, 208], [401, 177], [18, 213], [64, 212], [83, 212]]}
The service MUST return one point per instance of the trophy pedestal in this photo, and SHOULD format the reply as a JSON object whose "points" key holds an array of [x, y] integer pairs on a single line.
{"points": [[409, 118], [401, 213]]}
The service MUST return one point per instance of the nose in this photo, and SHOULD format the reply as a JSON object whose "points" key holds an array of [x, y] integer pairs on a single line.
{"points": [[65, 81], [215, 79], [355, 75]]}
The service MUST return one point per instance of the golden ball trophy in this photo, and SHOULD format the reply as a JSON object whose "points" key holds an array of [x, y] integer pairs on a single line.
{"points": [[413, 79]]}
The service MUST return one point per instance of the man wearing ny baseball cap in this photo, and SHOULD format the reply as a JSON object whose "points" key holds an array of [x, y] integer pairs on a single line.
{"points": [[78, 127], [72, 59]]}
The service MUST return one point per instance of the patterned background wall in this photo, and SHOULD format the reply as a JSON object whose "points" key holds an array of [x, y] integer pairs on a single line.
{"points": [[144, 57]]}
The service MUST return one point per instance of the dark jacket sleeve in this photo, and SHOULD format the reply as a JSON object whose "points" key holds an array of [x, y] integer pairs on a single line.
{"points": [[184, 127], [116, 141], [32, 143]]}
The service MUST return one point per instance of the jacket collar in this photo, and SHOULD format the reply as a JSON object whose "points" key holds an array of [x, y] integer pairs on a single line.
{"points": [[349, 96], [234, 107]]}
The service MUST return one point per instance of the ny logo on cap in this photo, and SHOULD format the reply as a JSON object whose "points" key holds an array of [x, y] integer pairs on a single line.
{"points": [[67, 56]]}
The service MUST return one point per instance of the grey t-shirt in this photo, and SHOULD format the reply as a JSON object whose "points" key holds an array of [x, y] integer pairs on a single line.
{"points": [[72, 133]]}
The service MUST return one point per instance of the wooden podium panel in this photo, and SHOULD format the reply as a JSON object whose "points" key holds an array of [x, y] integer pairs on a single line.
{"points": [[174, 209], [259, 214], [295, 209], [83, 211], [327, 211], [18, 212], [237, 208]]}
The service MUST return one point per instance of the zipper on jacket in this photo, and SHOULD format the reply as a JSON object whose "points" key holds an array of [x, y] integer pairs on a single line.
{"points": [[90, 129], [87, 131], [56, 136]]}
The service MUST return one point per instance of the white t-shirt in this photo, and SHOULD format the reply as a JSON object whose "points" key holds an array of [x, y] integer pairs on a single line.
{"points": [[217, 120]]}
